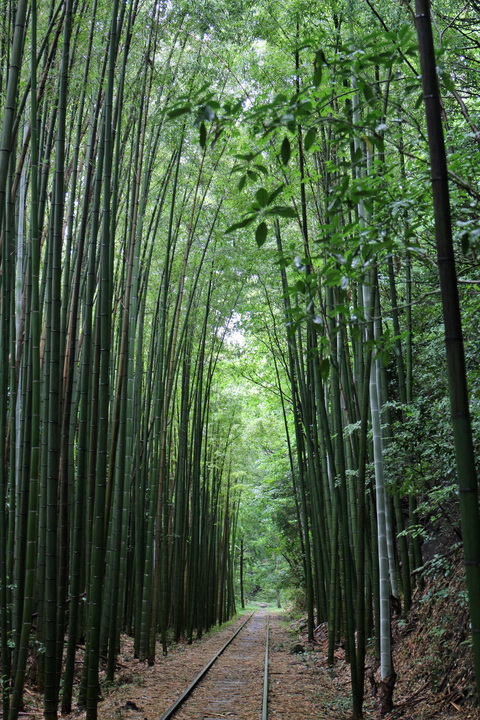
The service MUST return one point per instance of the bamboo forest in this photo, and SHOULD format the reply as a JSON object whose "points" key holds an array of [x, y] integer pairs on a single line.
{"points": [[239, 331]]}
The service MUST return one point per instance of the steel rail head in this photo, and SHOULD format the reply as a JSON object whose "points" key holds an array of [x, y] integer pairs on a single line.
{"points": [[265, 673]]}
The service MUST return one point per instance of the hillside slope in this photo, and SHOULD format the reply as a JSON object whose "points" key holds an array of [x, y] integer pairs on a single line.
{"points": [[432, 653]]}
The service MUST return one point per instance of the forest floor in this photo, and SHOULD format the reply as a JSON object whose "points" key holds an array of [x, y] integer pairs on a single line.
{"points": [[432, 659]]}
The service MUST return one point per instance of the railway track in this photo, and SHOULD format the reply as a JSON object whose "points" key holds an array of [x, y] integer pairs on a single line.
{"points": [[234, 683]]}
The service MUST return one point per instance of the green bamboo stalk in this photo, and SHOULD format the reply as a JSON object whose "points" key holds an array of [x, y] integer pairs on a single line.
{"points": [[64, 418], [55, 577], [361, 528], [20, 429], [94, 598], [192, 610], [293, 355], [462, 430], [7, 134], [385, 635], [34, 265], [79, 536], [4, 615], [138, 162], [171, 370], [148, 608], [14, 478]]}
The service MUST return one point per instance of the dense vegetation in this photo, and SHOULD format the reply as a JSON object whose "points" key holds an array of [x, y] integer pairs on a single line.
{"points": [[222, 357]]}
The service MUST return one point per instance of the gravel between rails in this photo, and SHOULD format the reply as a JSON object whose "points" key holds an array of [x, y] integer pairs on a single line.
{"points": [[234, 686]]}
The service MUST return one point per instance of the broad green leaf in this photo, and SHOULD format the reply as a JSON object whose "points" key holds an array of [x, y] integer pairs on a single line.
{"points": [[179, 111], [378, 141], [447, 81], [324, 368], [203, 135], [285, 150], [243, 223], [411, 88], [262, 197], [248, 157], [357, 156], [334, 205], [318, 67], [275, 194], [282, 211], [241, 182], [368, 92], [261, 234], [310, 138], [204, 87]]}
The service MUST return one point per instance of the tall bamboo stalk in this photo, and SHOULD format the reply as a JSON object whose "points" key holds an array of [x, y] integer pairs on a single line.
{"points": [[462, 430]]}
